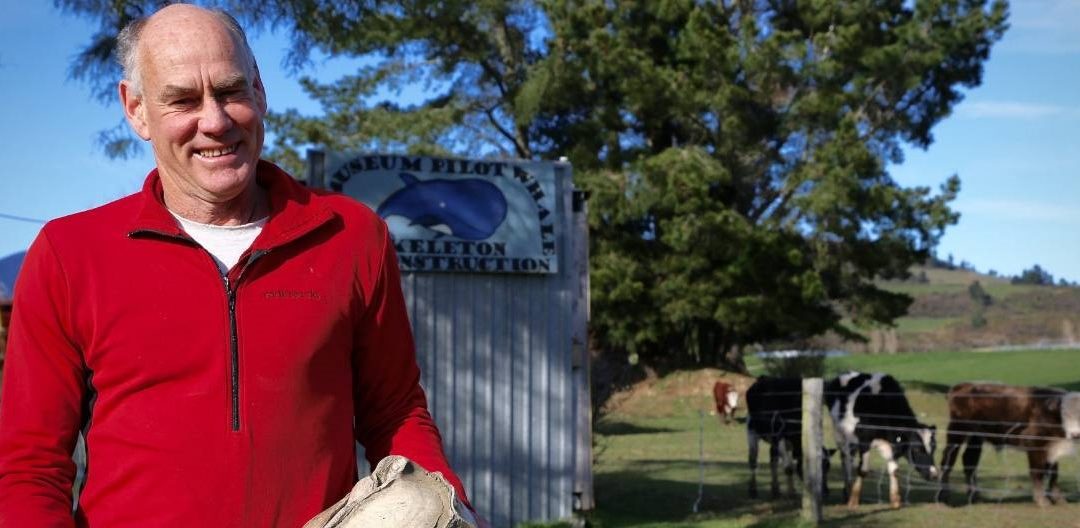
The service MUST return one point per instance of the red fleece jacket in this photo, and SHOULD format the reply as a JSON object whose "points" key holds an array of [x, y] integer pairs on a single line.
{"points": [[207, 400]]}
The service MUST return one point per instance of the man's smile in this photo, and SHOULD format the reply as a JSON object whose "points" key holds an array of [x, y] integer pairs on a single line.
{"points": [[217, 152]]}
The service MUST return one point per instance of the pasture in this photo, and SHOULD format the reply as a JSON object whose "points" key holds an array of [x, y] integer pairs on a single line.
{"points": [[944, 315], [660, 448]]}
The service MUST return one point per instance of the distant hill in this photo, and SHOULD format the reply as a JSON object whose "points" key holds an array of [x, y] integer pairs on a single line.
{"points": [[949, 313], [9, 268]]}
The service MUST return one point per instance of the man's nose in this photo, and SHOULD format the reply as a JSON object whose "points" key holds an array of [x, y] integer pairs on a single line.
{"points": [[214, 120]]}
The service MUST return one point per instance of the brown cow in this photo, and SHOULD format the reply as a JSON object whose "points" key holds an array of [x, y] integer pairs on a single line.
{"points": [[727, 399], [1042, 421]]}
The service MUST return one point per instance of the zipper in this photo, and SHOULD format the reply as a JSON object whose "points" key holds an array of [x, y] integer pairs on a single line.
{"points": [[234, 341], [234, 358]]}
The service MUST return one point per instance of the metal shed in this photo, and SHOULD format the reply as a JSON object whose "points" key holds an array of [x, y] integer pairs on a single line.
{"points": [[502, 343]]}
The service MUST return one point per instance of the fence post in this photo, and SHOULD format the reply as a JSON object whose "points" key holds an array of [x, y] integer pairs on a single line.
{"points": [[812, 446]]}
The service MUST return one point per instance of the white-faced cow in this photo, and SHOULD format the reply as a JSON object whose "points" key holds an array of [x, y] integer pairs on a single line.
{"points": [[870, 410], [774, 414], [1044, 422], [727, 399]]}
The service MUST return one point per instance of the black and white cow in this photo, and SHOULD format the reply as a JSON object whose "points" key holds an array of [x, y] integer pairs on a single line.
{"points": [[774, 414], [870, 410]]}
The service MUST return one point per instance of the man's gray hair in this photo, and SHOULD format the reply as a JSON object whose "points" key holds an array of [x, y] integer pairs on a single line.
{"points": [[127, 46]]}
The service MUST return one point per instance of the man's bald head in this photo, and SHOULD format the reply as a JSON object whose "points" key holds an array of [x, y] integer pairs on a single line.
{"points": [[129, 40]]}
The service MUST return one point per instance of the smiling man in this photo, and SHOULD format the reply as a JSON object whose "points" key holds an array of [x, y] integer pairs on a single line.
{"points": [[197, 97], [221, 338]]}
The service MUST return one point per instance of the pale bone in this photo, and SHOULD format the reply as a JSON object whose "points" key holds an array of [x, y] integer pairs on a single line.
{"points": [[398, 494]]}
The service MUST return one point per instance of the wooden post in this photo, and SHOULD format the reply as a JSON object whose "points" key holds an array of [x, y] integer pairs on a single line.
{"points": [[578, 242], [812, 446]]}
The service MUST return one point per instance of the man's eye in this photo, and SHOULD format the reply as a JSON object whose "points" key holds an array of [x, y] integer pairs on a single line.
{"points": [[187, 101]]}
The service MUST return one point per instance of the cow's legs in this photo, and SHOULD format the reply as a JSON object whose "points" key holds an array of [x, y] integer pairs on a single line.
{"points": [[774, 462], [856, 487], [971, 464], [955, 440], [752, 444], [886, 451], [789, 466], [1055, 490], [825, 465], [846, 454], [1037, 466]]}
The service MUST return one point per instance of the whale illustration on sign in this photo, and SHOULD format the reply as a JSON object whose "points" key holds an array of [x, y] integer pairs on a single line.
{"points": [[469, 209]]}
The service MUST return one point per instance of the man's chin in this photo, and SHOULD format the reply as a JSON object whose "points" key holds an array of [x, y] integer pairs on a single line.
{"points": [[226, 181]]}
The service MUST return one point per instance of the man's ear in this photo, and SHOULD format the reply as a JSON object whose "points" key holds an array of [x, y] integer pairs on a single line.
{"points": [[134, 110]]}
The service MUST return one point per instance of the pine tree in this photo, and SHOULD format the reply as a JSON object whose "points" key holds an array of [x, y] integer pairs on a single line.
{"points": [[736, 151]]}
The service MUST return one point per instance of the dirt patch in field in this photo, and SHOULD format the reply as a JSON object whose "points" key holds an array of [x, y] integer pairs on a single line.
{"points": [[656, 396]]}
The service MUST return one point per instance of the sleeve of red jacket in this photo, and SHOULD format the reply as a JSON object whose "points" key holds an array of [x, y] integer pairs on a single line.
{"points": [[392, 417], [41, 401]]}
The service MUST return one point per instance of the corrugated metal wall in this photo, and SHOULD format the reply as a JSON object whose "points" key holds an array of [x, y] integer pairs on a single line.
{"points": [[497, 356], [505, 366]]}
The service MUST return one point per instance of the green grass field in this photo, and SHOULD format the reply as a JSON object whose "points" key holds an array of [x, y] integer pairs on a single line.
{"points": [[659, 444], [1060, 368]]}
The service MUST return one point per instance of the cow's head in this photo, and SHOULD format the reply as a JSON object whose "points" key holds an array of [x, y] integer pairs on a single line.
{"points": [[727, 400], [920, 444], [1070, 415], [731, 401]]}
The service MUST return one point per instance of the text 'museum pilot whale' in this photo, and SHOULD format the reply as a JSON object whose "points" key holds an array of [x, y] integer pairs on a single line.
{"points": [[469, 209]]}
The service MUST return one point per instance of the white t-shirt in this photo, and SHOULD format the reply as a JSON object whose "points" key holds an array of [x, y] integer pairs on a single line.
{"points": [[224, 243]]}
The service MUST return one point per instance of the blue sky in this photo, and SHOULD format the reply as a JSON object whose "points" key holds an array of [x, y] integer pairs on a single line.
{"points": [[1012, 141]]}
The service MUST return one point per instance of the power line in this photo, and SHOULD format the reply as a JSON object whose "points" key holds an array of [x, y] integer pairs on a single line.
{"points": [[21, 218]]}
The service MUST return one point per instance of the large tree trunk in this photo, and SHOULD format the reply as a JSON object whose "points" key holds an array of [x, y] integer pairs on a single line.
{"points": [[733, 359]]}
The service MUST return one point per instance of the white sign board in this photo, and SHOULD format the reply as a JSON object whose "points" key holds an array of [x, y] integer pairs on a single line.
{"points": [[456, 215]]}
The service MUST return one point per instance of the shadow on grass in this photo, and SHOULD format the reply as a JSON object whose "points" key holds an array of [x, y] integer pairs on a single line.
{"points": [[862, 517], [1073, 386], [645, 494], [642, 495], [613, 428], [958, 498]]}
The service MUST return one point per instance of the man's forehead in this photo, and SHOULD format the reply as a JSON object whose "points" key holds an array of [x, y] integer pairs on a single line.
{"points": [[173, 35], [181, 86], [171, 58], [175, 44]]}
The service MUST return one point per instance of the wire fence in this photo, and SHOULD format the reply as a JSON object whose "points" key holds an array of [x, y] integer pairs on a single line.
{"points": [[1002, 477], [1007, 480], [979, 396]]}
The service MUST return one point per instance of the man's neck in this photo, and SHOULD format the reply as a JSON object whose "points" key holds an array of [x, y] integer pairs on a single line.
{"points": [[244, 209]]}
